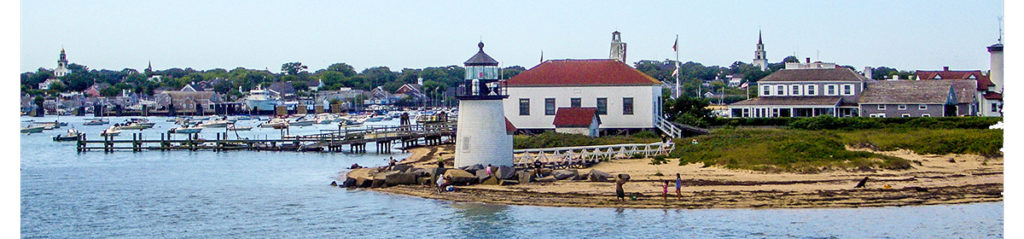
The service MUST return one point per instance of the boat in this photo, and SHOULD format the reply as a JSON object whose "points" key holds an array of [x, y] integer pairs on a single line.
{"points": [[375, 119], [277, 123], [185, 130], [215, 123], [239, 128], [72, 135], [136, 123], [304, 121], [51, 125], [261, 100], [32, 129], [99, 121], [112, 131]]}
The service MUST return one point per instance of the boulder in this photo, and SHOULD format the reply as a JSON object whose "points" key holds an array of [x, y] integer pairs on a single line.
{"points": [[508, 182], [363, 182], [349, 182], [598, 176], [564, 174], [434, 172], [423, 181], [401, 179], [505, 172], [459, 176], [420, 172], [481, 174], [401, 167], [377, 183], [490, 181], [334, 183], [583, 176], [472, 168], [547, 179], [525, 177]]}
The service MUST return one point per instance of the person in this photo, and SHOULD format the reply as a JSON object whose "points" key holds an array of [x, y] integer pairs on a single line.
{"points": [[621, 194], [440, 184], [679, 184], [440, 162], [664, 191], [391, 163], [489, 170]]}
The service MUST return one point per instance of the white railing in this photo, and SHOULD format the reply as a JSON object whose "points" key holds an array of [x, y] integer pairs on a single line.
{"points": [[563, 156], [670, 129]]}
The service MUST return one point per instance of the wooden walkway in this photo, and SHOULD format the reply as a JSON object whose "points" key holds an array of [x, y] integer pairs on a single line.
{"points": [[587, 155], [354, 140]]}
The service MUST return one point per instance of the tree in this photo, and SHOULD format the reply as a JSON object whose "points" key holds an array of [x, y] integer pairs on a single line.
{"points": [[38, 100], [293, 68], [688, 110], [345, 69], [512, 71]]}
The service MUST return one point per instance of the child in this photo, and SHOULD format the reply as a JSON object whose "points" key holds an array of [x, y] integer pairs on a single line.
{"points": [[679, 183], [664, 191]]}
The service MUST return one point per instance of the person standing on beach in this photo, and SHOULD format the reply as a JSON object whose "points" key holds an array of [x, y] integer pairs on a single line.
{"points": [[679, 184], [621, 194], [664, 191]]}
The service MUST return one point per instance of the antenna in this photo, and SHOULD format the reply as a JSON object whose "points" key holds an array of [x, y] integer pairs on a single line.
{"points": [[1000, 19]]}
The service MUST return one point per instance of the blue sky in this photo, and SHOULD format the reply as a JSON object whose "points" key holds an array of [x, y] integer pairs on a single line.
{"points": [[256, 34]]}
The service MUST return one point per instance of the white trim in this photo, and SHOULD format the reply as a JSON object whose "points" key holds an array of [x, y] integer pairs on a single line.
{"points": [[922, 107], [853, 90], [766, 88], [796, 90], [833, 87], [905, 115], [926, 115], [881, 106], [811, 90], [902, 107], [780, 90]]}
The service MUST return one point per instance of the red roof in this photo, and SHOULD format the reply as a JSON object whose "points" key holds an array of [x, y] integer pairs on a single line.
{"points": [[508, 126], [575, 117], [983, 81], [582, 72], [993, 96]]}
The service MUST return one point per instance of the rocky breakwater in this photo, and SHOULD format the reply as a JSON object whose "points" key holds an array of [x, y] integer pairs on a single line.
{"points": [[469, 175]]}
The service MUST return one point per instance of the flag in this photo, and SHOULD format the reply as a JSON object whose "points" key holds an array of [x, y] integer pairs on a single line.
{"points": [[675, 46], [676, 71]]}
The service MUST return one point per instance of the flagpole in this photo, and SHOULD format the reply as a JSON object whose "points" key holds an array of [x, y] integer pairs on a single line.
{"points": [[676, 48]]}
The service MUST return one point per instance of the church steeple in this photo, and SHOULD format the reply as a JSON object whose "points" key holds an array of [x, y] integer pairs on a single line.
{"points": [[62, 64], [760, 58], [618, 49]]}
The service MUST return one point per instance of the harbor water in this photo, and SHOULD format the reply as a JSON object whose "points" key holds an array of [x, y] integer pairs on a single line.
{"points": [[247, 194]]}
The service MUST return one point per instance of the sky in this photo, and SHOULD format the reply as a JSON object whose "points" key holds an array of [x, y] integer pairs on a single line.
{"points": [[908, 35]]}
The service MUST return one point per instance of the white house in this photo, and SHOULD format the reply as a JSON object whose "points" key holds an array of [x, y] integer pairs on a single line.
{"points": [[624, 97], [583, 121]]}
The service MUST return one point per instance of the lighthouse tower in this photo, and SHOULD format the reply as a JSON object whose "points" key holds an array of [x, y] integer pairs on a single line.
{"points": [[481, 137]]}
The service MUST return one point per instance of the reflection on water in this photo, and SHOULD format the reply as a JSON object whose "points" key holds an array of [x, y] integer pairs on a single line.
{"points": [[241, 194]]}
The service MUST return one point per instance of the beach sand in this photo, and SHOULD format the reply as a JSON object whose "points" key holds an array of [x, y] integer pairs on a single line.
{"points": [[936, 180]]}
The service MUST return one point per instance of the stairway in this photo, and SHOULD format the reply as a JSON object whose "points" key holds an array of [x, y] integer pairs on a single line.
{"points": [[675, 130]]}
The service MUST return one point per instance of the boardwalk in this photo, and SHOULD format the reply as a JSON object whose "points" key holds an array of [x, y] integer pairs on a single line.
{"points": [[354, 140], [587, 155]]}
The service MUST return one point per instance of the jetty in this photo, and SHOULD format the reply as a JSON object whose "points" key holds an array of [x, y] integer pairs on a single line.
{"points": [[354, 140]]}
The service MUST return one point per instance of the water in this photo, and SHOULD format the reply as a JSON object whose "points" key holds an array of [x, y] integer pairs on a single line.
{"points": [[285, 195]]}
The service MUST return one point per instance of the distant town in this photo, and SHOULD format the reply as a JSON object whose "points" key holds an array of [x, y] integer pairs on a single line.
{"points": [[623, 96]]}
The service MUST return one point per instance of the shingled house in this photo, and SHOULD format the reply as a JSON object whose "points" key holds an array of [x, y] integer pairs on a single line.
{"points": [[804, 93], [909, 99], [583, 121]]}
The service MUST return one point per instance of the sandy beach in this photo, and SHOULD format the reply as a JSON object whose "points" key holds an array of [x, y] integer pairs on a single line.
{"points": [[934, 179]]}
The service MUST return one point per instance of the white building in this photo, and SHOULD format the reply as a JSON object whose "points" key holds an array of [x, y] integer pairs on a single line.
{"points": [[809, 65], [45, 85], [62, 65], [624, 97], [760, 57], [483, 136]]}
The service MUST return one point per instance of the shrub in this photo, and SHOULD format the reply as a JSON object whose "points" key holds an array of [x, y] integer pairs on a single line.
{"points": [[855, 123], [658, 160]]}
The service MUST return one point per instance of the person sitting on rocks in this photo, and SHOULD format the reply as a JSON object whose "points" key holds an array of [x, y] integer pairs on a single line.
{"points": [[391, 163], [440, 184], [489, 172]]}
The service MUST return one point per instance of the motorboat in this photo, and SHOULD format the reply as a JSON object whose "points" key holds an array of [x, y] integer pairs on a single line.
{"points": [[98, 121], [112, 131], [136, 123], [71, 135], [32, 129], [215, 123], [277, 123], [261, 100], [185, 130], [303, 121], [239, 128]]}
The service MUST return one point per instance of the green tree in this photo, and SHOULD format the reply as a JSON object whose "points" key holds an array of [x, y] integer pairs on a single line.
{"points": [[688, 110], [345, 69], [293, 68]]}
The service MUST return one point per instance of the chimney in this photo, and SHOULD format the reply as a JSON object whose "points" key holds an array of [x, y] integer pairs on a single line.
{"points": [[808, 60], [945, 68], [867, 72]]}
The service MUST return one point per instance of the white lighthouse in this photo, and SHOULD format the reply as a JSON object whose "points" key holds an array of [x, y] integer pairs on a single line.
{"points": [[481, 137]]}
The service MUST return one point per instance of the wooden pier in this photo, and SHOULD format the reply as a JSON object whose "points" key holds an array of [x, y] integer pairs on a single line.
{"points": [[328, 140]]}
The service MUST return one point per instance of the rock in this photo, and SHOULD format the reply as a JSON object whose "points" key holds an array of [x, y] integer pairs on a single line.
{"points": [[423, 181], [525, 177], [472, 168], [377, 183], [349, 182], [401, 179], [481, 174], [459, 176], [435, 172], [508, 182], [598, 176], [363, 182], [490, 181], [420, 172], [334, 183], [564, 174], [547, 179], [505, 172], [401, 167]]}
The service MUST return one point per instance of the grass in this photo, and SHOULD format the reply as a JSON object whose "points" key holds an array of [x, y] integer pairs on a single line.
{"points": [[551, 139], [779, 150], [985, 142]]}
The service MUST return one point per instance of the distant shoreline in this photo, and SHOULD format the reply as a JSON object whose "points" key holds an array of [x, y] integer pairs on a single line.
{"points": [[970, 179]]}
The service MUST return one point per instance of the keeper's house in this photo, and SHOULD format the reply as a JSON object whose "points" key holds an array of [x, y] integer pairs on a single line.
{"points": [[804, 93], [625, 99]]}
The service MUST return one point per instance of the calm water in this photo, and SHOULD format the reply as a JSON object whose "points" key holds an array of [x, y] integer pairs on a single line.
{"points": [[283, 194]]}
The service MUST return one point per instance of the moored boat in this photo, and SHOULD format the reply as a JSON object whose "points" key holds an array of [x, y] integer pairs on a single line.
{"points": [[277, 123], [112, 131], [185, 130], [98, 121], [71, 135], [239, 128], [32, 129]]}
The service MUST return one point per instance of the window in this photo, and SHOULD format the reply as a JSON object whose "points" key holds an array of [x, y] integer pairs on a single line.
{"points": [[847, 89], [602, 106], [575, 102], [524, 106], [926, 115], [879, 115], [812, 90], [780, 90], [830, 90], [795, 90], [922, 107], [627, 105], [766, 90], [902, 107], [881, 107], [905, 115], [993, 107], [549, 106]]}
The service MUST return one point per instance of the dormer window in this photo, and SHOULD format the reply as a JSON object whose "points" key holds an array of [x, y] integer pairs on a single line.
{"points": [[766, 90], [937, 77], [780, 90], [972, 77]]}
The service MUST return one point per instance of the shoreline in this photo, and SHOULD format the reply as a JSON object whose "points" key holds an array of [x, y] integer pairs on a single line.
{"points": [[936, 180]]}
